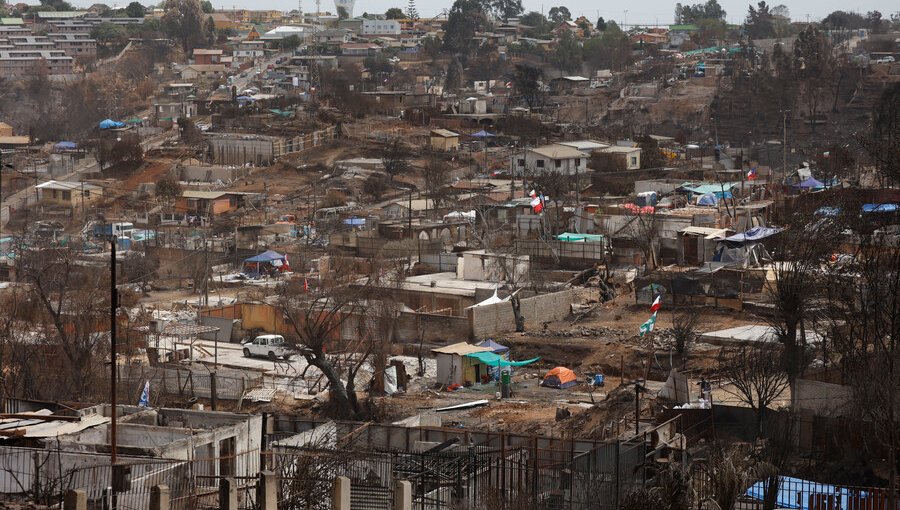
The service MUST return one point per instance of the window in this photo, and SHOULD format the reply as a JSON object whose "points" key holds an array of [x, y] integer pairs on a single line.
{"points": [[521, 162], [634, 160], [558, 163], [67, 195], [540, 163]]}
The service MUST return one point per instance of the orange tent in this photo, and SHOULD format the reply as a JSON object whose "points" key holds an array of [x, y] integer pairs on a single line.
{"points": [[560, 377]]}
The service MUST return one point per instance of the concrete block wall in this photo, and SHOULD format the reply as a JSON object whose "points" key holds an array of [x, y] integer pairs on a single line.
{"points": [[492, 319]]}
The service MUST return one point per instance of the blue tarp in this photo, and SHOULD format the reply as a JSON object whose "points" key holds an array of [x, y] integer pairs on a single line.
{"points": [[810, 183], [483, 134], [495, 360], [709, 199], [355, 221], [880, 207], [65, 146], [721, 190], [266, 256], [494, 346], [111, 124], [753, 235]]}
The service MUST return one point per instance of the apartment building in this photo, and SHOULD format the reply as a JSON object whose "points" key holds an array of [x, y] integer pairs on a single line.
{"points": [[16, 63], [31, 43], [75, 45]]}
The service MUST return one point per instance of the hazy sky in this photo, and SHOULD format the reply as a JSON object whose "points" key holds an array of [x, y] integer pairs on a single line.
{"points": [[646, 12]]}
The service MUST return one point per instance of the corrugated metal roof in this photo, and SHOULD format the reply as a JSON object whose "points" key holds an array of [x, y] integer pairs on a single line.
{"points": [[707, 232], [443, 132]]}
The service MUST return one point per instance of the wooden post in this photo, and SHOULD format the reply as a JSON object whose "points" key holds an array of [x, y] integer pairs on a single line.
{"points": [[75, 500], [228, 496], [340, 493], [159, 497], [402, 495]]}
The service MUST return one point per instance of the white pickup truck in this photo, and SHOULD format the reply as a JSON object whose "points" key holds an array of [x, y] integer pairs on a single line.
{"points": [[270, 346]]}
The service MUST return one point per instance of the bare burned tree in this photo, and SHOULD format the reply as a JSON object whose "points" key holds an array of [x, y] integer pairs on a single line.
{"points": [[882, 142], [320, 318], [684, 328], [643, 230], [70, 303], [395, 157], [756, 373], [798, 254], [865, 294]]}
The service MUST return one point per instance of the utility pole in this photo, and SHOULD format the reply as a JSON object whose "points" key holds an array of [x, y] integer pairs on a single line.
{"points": [[409, 215], [784, 114], [265, 202], [114, 372]]}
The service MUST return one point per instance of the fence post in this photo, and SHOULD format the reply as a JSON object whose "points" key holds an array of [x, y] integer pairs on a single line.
{"points": [[212, 390], [267, 491], [75, 500], [402, 495], [340, 493], [228, 496], [159, 497]]}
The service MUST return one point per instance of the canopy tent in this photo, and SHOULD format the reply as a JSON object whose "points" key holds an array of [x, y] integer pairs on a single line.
{"points": [[559, 377], [579, 238], [270, 261], [483, 134], [709, 199], [495, 360], [722, 190], [494, 346], [111, 124], [810, 183], [65, 146]]}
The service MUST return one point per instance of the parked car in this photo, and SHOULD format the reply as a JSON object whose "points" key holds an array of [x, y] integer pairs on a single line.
{"points": [[269, 346], [885, 60]]}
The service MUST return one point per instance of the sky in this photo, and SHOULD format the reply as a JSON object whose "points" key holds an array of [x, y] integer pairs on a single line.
{"points": [[648, 12]]}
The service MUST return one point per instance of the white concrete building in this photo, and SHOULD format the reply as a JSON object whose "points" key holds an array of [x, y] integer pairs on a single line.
{"points": [[550, 158], [380, 27]]}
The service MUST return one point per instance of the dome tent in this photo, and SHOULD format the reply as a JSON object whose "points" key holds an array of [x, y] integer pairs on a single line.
{"points": [[560, 377]]}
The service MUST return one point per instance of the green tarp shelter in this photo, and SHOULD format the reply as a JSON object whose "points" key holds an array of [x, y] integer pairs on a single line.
{"points": [[495, 360]]}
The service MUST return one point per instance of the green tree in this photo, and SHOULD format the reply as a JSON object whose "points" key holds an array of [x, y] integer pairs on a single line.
{"points": [[431, 46], [290, 42], [760, 23], [207, 7], [411, 11], [342, 12], [612, 50], [209, 29], [651, 156], [505, 9], [559, 14], [394, 13], [601, 24], [168, 189], [108, 34], [465, 19], [567, 55], [538, 23], [135, 10], [183, 21], [58, 5], [693, 13]]}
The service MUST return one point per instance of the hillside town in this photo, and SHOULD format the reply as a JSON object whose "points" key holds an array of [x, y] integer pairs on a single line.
{"points": [[488, 257]]}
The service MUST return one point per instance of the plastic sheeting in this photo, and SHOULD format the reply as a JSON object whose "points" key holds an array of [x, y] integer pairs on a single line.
{"points": [[755, 234], [495, 360], [111, 124]]}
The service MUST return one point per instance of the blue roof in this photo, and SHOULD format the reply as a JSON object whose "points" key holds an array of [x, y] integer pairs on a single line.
{"points": [[752, 235], [494, 346]]}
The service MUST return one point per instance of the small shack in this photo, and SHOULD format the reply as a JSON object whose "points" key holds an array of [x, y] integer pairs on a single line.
{"points": [[453, 367], [444, 140]]}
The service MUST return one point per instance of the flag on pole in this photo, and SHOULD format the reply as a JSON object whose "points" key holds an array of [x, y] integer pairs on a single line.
{"points": [[656, 304], [751, 175], [145, 396], [648, 326], [537, 205], [305, 285]]}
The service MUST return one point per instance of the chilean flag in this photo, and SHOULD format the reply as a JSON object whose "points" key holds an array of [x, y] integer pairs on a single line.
{"points": [[655, 306], [752, 174]]}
